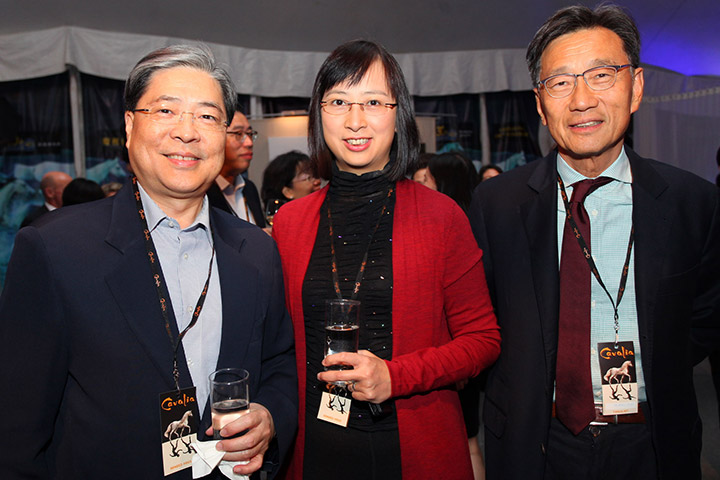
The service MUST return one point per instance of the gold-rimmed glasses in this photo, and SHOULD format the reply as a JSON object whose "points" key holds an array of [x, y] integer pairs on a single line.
{"points": [[371, 107], [205, 119]]}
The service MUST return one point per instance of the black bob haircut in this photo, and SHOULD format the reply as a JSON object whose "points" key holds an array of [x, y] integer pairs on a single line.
{"points": [[349, 62]]}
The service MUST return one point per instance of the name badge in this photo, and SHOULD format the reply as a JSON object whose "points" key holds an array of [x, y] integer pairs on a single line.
{"points": [[619, 379], [334, 408], [179, 419]]}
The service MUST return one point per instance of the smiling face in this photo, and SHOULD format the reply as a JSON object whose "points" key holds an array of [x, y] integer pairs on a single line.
{"points": [[589, 125], [180, 161], [361, 143]]}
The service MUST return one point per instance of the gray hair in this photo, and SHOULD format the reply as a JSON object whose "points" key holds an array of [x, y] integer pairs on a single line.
{"points": [[578, 17], [197, 57]]}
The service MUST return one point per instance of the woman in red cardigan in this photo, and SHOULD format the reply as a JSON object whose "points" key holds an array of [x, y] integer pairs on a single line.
{"points": [[408, 255]]}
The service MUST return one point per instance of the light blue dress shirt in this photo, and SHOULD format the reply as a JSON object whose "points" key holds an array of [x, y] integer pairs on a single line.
{"points": [[184, 258], [610, 212]]}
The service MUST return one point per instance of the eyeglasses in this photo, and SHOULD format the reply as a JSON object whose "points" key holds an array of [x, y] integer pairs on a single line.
{"points": [[242, 135], [202, 119], [371, 107], [597, 78], [304, 178]]}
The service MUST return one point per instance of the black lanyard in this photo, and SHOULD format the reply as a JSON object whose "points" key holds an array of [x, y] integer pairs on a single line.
{"points": [[161, 287], [363, 264], [593, 268]]}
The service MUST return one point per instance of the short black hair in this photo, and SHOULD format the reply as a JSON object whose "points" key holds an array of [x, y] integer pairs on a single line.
{"points": [[578, 17], [280, 173], [349, 62], [454, 176], [81, 190], [485, 168]]}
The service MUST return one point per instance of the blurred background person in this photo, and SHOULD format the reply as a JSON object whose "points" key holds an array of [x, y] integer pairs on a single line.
{"points": [[110, 189], [454, 175], [52, 185], [287, 177], [489, 171], [420, 173], [423, 326], [231, 191], [81, 190]]}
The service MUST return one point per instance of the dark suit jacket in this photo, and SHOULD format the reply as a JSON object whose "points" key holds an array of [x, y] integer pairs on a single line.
{"points": [[34, 214], [250, 192], [85, 354], [677, 277]]}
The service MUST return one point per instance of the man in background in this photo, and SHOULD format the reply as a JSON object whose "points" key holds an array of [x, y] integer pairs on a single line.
{"points": [[231, 191], [52, 185]]}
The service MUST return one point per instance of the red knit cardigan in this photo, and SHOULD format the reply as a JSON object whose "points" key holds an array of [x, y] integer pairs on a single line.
{"points": [[444, 329]]}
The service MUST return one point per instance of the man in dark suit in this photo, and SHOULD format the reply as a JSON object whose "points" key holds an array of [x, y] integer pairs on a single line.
{"points": [[97, 295], [231, 191], [549, 413], [52, 186]]}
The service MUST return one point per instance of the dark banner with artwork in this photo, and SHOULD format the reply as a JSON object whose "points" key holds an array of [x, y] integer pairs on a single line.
{"points": [[104, 126], [35, 138], [513, 127], [457, 124]]}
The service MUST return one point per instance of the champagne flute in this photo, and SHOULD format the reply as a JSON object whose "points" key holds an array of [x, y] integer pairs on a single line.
{"points": [[342, 330]]}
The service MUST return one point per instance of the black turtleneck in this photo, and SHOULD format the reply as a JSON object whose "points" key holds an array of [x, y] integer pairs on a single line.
{"points": [[355, 203]]}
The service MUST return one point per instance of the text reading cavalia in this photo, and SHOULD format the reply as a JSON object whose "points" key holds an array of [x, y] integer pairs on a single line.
{"points": [[623, 352], [169, 403]]}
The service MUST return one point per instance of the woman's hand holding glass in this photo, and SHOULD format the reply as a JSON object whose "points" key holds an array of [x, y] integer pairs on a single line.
{"points": [[368, 381]]}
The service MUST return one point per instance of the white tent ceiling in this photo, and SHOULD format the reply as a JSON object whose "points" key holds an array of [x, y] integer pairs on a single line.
{"points": [[288, 39]]}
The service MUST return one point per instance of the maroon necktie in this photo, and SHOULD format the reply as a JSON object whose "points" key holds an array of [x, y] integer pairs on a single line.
{"points": [[574, 402]]}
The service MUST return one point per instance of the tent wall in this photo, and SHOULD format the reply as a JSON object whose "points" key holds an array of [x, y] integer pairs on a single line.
{"points": [[267, 73]]}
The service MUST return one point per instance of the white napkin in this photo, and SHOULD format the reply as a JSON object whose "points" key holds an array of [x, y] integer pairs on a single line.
{"points": [[207, 457]]}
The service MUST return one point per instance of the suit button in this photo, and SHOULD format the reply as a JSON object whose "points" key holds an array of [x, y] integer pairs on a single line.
{"points": [[542, 447]]}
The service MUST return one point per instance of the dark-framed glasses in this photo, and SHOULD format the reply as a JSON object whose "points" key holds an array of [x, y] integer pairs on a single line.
{"points": [[596, 78], [243, 134], [205, 119], [371, 107]]}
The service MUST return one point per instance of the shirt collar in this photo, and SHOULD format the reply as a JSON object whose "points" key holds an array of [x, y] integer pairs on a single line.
{"points": [[155, 215], [228, 188], [619, 170]]}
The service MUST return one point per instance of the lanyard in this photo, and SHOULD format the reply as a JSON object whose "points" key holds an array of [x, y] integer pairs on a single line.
{"points": [[363, 264], [593, 268], [162, 290]]}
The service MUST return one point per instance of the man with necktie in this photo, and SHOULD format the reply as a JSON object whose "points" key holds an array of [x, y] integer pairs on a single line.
{"points": [[604, 270]]}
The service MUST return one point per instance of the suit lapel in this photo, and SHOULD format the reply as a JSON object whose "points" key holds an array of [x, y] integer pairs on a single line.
{"points": [[217, 199], [132, 287], [652, 216], [253, 202], [539, 215], [238, 285]]}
